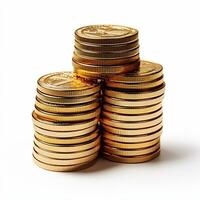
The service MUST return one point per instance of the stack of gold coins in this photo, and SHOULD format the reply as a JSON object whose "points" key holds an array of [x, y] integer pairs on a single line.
{"points": [[105, 50], [65, 122], [132, 114]]}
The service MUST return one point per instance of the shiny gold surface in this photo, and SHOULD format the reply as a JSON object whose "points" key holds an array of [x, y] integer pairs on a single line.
{"points": [[111, 92], [139, 86], [67, 100], [63, 168], [74, 155], [131, 110], [105, 69], [106, 54], [132, 132], [102, 51], [65, 117], [65, 121], [131, 159], [104, 34], [105, 47], [131, 152], [133, 103], [64, 134], [52, 161], [61, 126], [105, 62], [90, 75], [132, 139], [67, 148], [135, 95], [72, 140], [147, 71], [126, 146], [65, 84], [131, 125], [58, 108], [132, 118]]}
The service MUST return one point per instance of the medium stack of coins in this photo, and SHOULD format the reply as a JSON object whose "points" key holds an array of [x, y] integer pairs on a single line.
{"points": [[132, 114], [65, 122], [105, 50]]}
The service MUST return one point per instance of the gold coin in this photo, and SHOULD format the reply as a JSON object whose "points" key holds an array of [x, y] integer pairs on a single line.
{"points": [[52, 161], [106, 69], [72, 117], [106, 55], [65, 84], [131, 110], [132, 132], [106, 47], [67, 148], [61, 168], [64, 134], [135, 95], [147, 71], [106, 34], [131, 159], [132, 118], [105, 62], [95, 75], [132, 139], [66, 155], [139, 86], [59, 108], [60, 126], [133, 103], [67, 100], [126, 146], [131, 125], [130, 152], [73, 140]]}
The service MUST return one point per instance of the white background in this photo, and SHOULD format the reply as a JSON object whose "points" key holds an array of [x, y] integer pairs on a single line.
{"points": [[36, 37]]}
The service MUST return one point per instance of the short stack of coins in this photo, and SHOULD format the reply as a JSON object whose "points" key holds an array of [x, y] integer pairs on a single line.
{"points": [[132, 114], [105, 50], [65, 119]]}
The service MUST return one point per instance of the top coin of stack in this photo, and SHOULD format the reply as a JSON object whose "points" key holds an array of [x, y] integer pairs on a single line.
{"points": [[104, 50], [66, 122]]}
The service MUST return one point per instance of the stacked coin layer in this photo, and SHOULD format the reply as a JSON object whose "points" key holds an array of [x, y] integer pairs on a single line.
{"points": [[105, 50], [65, 122], [132, 114]]}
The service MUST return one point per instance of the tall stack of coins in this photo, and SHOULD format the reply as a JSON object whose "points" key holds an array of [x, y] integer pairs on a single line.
{"points": [[105, 50], [132, 114], [65, 122], [109, 78]]}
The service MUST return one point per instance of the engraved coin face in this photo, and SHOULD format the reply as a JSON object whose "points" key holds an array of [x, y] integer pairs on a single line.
{"points": [[63, 81], [105, 32], [147, 71]]}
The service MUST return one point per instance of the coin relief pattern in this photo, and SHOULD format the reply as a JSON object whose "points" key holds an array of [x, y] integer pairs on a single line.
{"points": [[105, 31]]}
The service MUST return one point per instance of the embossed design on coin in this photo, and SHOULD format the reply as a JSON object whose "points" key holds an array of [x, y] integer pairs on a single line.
{"points": [[63, 81], [105, 32], [147, 71]]}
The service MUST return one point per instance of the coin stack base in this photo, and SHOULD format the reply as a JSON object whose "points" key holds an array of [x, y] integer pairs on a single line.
{"points": [[132, 115], [65, 122]]}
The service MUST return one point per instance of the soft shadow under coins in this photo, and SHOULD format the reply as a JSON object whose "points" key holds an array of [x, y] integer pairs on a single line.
{"points": [[101, 165], [174, 152]]}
